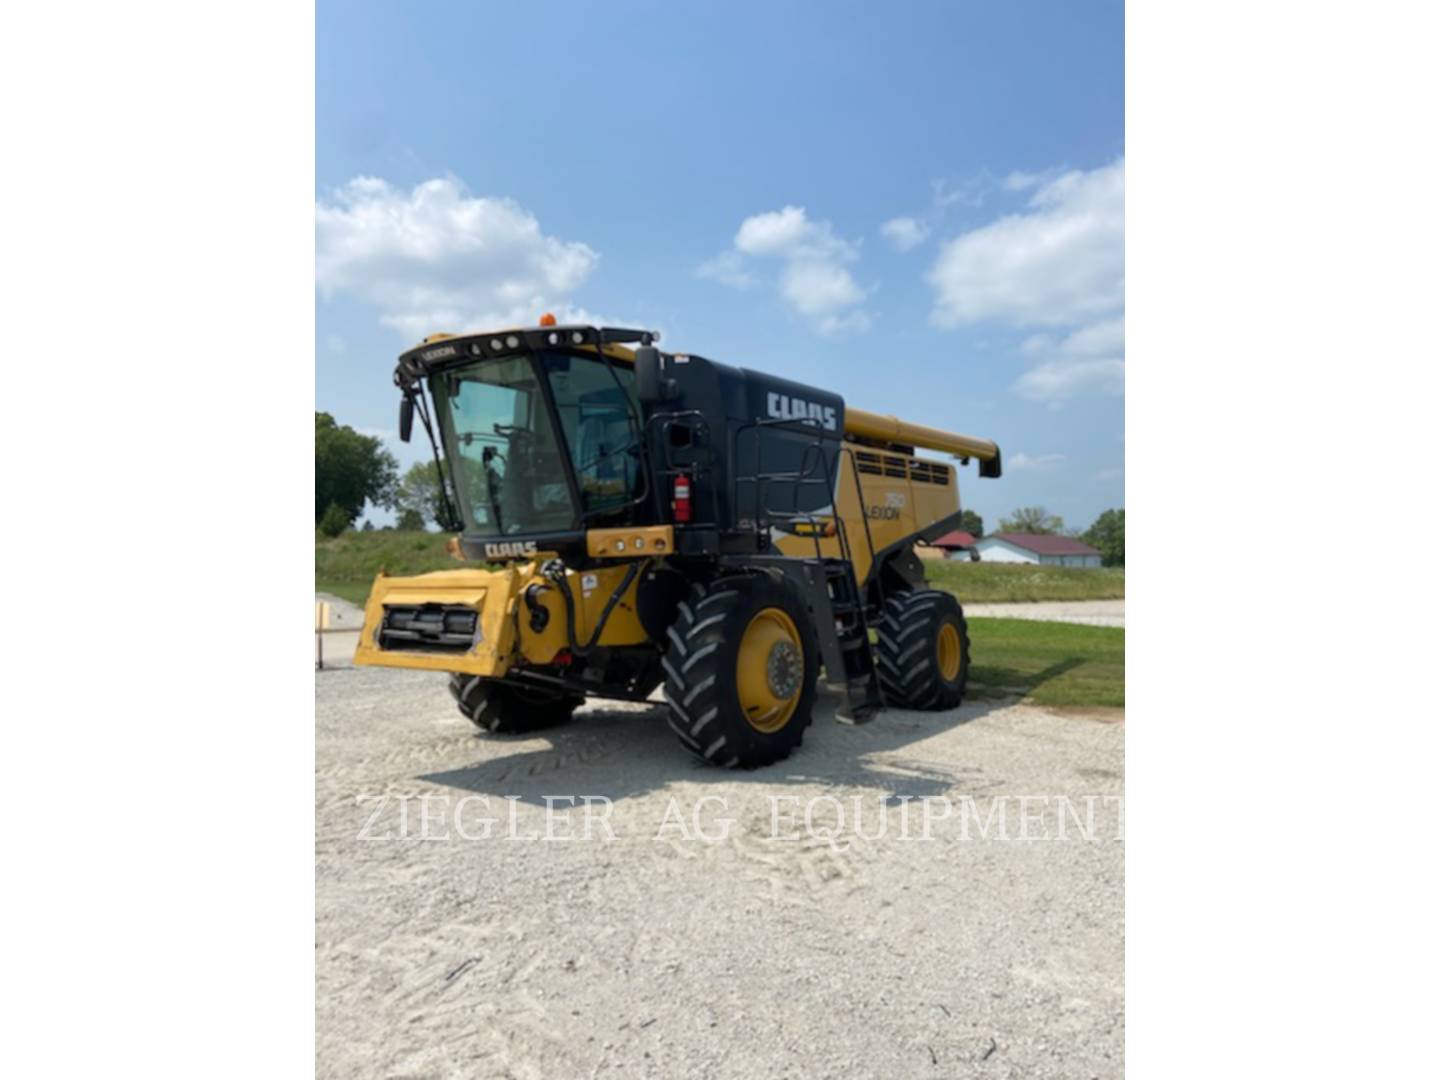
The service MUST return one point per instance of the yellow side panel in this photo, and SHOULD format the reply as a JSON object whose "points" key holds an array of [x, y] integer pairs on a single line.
{"points": [[895, 506], [591, 590]]}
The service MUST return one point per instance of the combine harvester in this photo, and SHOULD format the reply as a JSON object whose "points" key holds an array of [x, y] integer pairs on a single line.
{"points": [[660, 517]]}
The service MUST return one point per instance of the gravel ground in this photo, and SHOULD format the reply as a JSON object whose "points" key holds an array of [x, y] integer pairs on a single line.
{"points": [[1088, 612], [343, 614], [671, 944]]}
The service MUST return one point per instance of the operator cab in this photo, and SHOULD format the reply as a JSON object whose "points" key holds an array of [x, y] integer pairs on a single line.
{"points": [[540, 441], [540, 432], [549, 434]]}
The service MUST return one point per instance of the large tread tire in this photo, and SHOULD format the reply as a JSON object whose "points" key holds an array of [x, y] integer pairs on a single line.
{"points": [[908, 650], [503, 709], [701, 683]]}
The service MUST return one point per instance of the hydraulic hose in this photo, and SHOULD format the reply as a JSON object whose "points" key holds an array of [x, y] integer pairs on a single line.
{"points": [[554, 570]]}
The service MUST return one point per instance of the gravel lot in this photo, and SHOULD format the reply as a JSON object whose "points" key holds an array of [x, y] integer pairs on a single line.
{"points": [[653, 950]]}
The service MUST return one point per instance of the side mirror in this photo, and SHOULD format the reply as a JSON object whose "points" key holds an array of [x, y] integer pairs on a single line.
{"points": [[407, 417], [651, 386]]}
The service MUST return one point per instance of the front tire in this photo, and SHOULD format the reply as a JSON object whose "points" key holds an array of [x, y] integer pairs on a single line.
{"points": [[740, 671], [923, 651], [505, 709]]}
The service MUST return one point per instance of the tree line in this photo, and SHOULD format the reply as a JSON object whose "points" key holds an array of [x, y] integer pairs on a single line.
{"points": [[352, 469]]}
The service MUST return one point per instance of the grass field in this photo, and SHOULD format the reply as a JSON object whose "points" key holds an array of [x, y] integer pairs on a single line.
{"points": [[999, 583], [1048, 663], [347, 565]]}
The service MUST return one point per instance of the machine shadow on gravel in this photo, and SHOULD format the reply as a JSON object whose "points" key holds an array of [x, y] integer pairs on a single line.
{"points": [[622, 753]]}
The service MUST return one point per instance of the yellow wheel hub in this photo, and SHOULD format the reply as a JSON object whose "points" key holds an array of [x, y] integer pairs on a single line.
{"points": [[947, 652], [770, 670]]}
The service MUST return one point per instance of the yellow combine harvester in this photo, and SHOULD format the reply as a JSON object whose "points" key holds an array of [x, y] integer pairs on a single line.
{"points": [[660, 517]]}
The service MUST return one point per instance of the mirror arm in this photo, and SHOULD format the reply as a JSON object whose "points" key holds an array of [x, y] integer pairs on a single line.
{"points": [[453, 521]]}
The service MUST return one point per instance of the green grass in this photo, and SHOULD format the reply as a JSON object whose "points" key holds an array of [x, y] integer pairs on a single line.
{"points": [[1049, 663], [348, 564], [998, 583]]}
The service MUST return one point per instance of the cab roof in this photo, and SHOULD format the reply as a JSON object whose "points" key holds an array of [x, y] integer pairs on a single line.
{"points": [[442, 350]]}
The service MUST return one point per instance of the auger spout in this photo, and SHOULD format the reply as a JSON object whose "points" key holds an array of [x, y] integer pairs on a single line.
{"points": [[891, 430]]}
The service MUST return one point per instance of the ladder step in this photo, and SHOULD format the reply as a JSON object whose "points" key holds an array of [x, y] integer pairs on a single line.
{"points": [[850, 649]]}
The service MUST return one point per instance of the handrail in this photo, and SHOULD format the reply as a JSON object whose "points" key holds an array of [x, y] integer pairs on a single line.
{"points": [[763, 513], [799, 477]]}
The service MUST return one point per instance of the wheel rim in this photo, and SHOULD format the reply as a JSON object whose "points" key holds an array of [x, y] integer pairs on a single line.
{"points": [[770, 670], [947, 652]]}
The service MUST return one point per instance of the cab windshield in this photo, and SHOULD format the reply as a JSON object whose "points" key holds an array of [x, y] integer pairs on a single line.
{"points": [[512, 468]]}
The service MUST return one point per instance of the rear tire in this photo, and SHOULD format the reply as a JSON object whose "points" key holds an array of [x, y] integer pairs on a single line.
{"points": [[923, 652], [740, 671], [506, 709]]}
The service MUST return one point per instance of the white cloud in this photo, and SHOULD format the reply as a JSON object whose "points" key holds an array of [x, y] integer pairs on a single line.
{"points": [[1106, 475], [1086, 362], [816, 288], [970, 192], [335, 343], [437, 258], [1059, 380], [1023, 462], [1024, 181], [1097, 339], [814, 280], [728, 268], [790, 234], [909, 231], [856, 322], [1059, 263], [905, 233], [777, 233]]}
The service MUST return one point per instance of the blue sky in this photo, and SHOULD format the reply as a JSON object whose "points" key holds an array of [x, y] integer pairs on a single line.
{"points": [[918, 205]]}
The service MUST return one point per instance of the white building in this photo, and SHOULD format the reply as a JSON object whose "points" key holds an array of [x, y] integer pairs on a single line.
{"points": [[1043, 550]]}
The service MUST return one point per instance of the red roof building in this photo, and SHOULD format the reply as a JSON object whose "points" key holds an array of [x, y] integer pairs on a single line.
{"points": [[953, 541]]}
